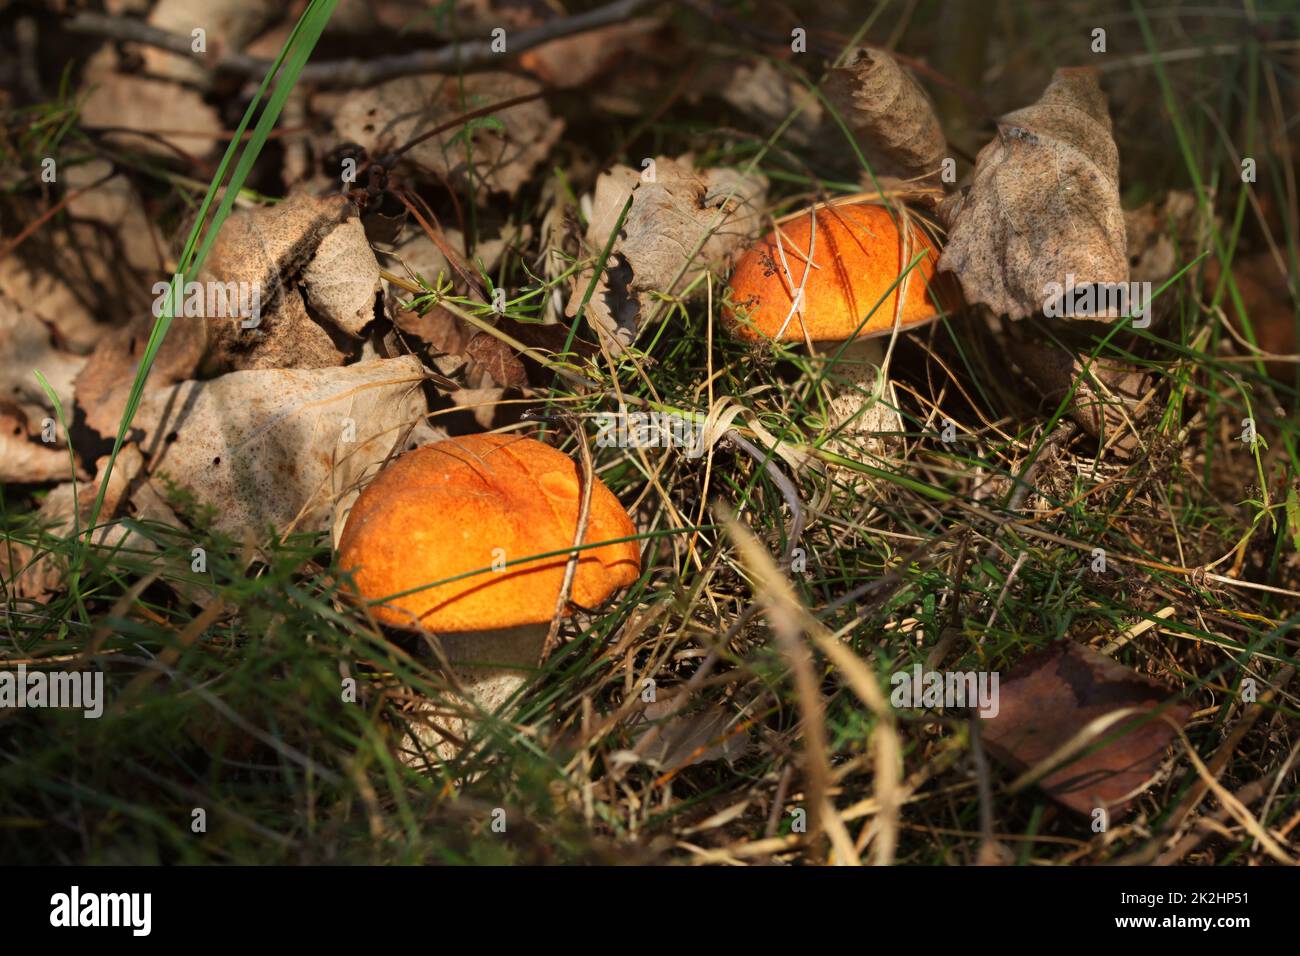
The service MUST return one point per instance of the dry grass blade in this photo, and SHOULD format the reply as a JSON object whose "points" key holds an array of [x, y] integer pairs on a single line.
{"points": [[885, 741], [787, 619], [1235, 806]]}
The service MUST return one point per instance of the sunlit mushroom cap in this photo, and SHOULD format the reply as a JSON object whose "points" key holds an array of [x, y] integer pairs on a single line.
{"points": [[857, 256], [445, 509]]}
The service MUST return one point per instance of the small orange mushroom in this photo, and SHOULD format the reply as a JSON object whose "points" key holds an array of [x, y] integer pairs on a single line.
{"points": [[839, 274], [852, 290]]}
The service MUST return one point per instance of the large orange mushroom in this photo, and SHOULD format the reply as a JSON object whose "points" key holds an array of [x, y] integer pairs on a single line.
{"points": [[472, 513], [838, 275]]}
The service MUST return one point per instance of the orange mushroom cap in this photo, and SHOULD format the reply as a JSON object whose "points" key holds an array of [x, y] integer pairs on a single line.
{"points": [[442, 510], [857, 256]]}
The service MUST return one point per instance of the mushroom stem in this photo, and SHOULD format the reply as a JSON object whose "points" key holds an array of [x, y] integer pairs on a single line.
{"points": [[857, 372], [490, 666]]}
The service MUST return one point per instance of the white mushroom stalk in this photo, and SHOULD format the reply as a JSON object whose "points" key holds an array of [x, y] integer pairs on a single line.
{"points": [[490, 667], [862, 407]]}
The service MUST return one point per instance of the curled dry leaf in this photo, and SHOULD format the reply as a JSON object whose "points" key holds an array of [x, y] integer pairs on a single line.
{"points": [[126, 470], [267, 250], [138, 106], [1105, 400], [548, 337], [766, 96], [674, 209], [1043, 205], [889, 114], [116, 205], [27, 346], [437, 328], [497, 360], [342, 278], [280, 448], [227, 24], [1050, 696], [23, 459], [498, 152], [445, 334], [61, 304], [574, 61], [457, 346]]}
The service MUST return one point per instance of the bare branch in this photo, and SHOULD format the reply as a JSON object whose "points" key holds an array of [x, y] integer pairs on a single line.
{"points": [[341, 74]]}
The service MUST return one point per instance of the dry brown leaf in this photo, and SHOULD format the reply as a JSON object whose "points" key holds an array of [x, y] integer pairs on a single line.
{"points": [[450, 338], [669, 217], [1051, 696], [438, 328], [506, 147], [445, 334], [26, 346], [1162, 236], [342, 278], [574, 61], [548, 337], [482, 409], [116, 205], [228, 25], [126, 469], [497, 360], [76, 271], [765, 95], [280, 448], [104, 384], [61, 305], [269, 248], [23, 459], [1043, 204], [174, 115], [1106, 399], [889, 113]]}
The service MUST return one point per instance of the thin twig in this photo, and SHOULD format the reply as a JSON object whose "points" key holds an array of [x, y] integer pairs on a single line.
{"points": [[580, 532], [27, 231], [346, 74], [983, 787], [459, 120]]}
